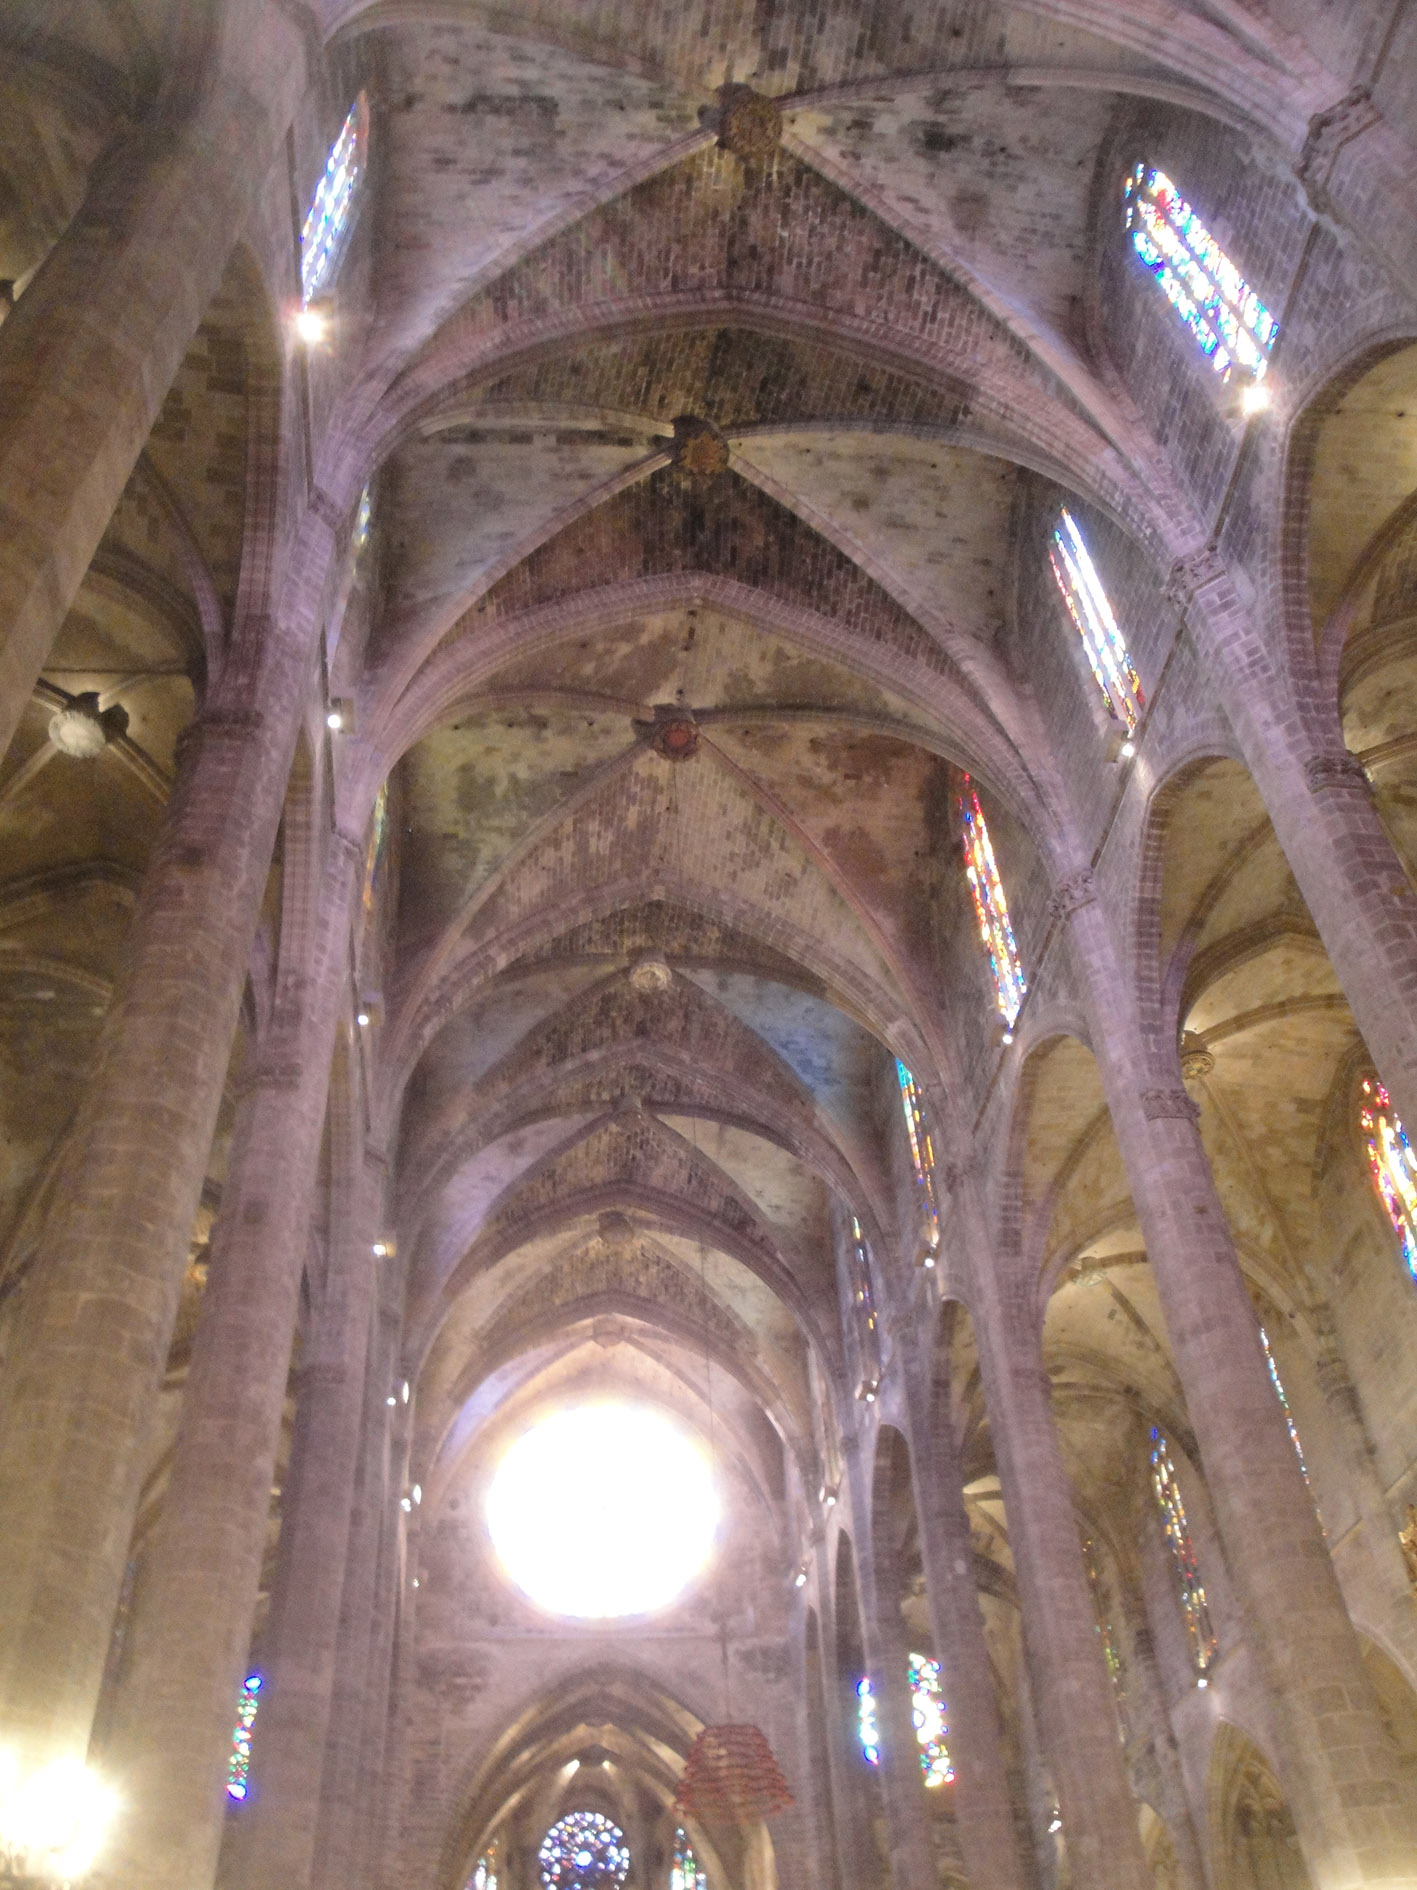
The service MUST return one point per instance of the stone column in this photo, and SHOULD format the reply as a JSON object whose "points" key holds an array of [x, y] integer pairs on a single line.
{"points": [[987, 1833], [1338, 1766], [1318, 798], [350, 1795], [857, 1861], [90, 349], [883, 1636], [272, 1847], [1071, 1689], [191, 1625], [93, 1329]]}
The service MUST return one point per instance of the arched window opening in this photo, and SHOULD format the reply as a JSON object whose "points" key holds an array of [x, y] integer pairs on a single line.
{"points": [[1230, 324], [238, 1765], [1111, 1653], [1093, 617], [1393, 1165], [331, 216], [927, 1710], [685, 1870], [862, 1297], [927, 1706], [484, 1875], [991, 908], [922, 1155], [1283, 1396], [1194, 1607], [363, 521], [376, 846], [585, 1850]]}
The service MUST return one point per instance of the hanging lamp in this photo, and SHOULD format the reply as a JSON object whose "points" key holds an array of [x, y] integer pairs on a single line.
{"points": [[731, 1777]]}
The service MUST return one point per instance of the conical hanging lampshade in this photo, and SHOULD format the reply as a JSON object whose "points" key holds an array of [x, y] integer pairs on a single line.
{"points": [[731, 1777]]}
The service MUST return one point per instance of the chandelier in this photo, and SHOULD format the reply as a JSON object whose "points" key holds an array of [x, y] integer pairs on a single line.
{"points": [[53, 1820], [731, 1777]]}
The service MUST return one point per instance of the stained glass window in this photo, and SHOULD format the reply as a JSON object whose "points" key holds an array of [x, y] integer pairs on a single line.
{"points": [[376, 845], [1393, 1164], [484, 1876], [922, 1152], [685, 1870], [1089, 609], [331, 216], [363, 520], [1230, 324], [584, 1851], [927, 1710], [1194, 1606], [990, 906], [238, 1765], [1110, 1651], [861, 1294], [927, 1705], [867, 1728], [1283, 1397]]}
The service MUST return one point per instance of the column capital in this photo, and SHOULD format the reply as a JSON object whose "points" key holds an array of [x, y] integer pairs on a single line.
{"points": [[1160, 1105], [1343, 771], [1194, 572], [1071, 894]]}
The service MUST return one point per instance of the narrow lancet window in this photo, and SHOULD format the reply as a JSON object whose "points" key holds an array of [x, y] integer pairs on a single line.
{"points": [[1090, 611], [991, 908], [927, 1710], [331, 216], [1283, 1397], [927, 1705], [484, 1876], [922, 1154], [863, 1298], [1230, 324], [1194, 1607], [238, 1765], [1393, 1165], [363, 521], [685, 1870]]}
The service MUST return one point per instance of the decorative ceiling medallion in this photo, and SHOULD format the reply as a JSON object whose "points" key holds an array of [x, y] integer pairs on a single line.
{"points": [[674, 732], [651, 974], [698, 447], [749, 125]]}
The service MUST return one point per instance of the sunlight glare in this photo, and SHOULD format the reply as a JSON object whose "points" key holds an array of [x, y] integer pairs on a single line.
{"points": [[602, 1510]]}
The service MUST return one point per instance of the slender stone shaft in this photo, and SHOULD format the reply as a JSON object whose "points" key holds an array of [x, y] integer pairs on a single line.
{"points": [[987, 1833], [883, 1635], [1071, 1689], [94, 1328], [274, 1849], [1338, 1765], [192, 1617]]}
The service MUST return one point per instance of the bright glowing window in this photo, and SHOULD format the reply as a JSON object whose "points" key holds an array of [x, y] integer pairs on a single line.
{"points": [[1194, 1607], [331, 216], [376, 846], [584, 1851], [484, 1876], [238, 1765], [927, 1708], [922, 1151], [602, 1510], [1228, 321], [363, 521], [991, 908], [1090, 611], [862, 1297], [1283, 1396], [927, 1704], [1393, 1165], [685, 1870]]}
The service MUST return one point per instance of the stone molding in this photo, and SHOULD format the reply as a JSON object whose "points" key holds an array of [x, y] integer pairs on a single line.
{"points": [[1161, 1105], [1070, 895], [1328, 132], [1194, 573], [1322, 772]]}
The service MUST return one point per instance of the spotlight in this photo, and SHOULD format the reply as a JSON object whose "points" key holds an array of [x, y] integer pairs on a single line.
{"points": [[799, 1580], [1202, 1682], [1006, 1037], [418, 1492], [380, 1249], [312, 325], [1056, 1825], [1127, 750], [405, 1504], [1254, 399], [334, 720], [928, 1262], [415, 1581], [403, 1391], [391, 1399], [362, 1019]]}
